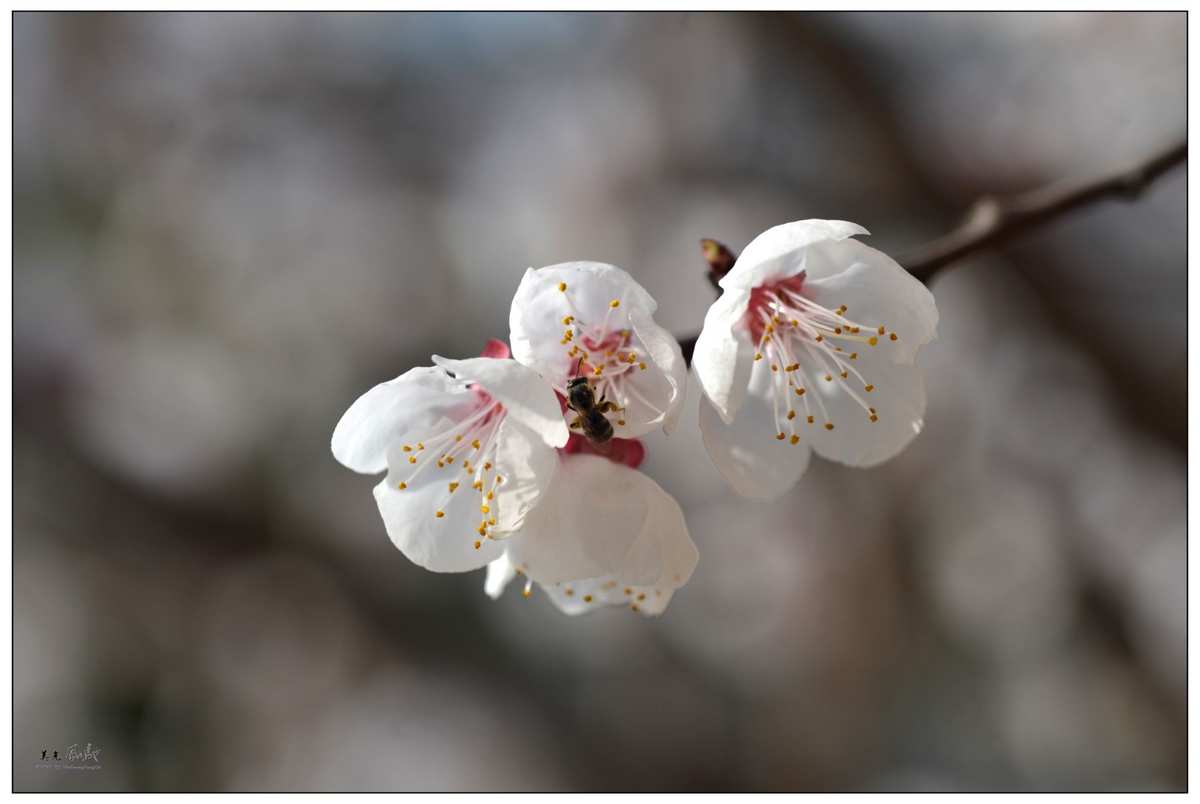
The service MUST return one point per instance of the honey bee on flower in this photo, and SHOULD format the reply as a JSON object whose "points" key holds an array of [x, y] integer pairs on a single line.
{"points": [[591, 321]]}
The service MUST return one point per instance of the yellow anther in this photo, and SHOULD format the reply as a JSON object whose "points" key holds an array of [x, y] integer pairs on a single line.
{"points": [[568, 335], [774, 367], [795, 322], [527, 591], [882, 329], [780, 436], [845, 375], [492, 521], [562, 286], [828, 378], [475, 443], [837, 330], [892, 336], [874, 418], [453, 486], [828, 425], [567, 320], [402, 485], [872, 340], [621, 422], [412, 458], [820, 338], [487, 465], [441, 464], [478, 485], [499, 479], [598, 371], [457, 438], [587, 598], [800, 391], [770, 328], [791, 415], [440, 514], [420, 445], [795, 440], [855, 330], [633, 607], [482, 529], [641, 596], [615, 303], [810, 419], [868, 388], [854, 355], [450, 459], [758, 356], [478, 544], [490, 495], [628, 591], [483, 509], [569, 592], [406, 448]]}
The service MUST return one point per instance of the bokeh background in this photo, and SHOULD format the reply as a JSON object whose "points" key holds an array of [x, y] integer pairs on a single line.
{"points": [[228, 226]]}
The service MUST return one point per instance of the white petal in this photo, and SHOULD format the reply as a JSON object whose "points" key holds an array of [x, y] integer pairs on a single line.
{"points": [[499, 574], [383, 415], [572, 598], [898, 398], [445, 544], [779, 252], [527, 466], [876, 290], [605, 520], [724, 353], [525, 396], [665, 354], [747, 453]]}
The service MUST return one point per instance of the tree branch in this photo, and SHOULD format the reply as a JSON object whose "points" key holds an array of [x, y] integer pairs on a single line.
{"points": [[993, 220]]}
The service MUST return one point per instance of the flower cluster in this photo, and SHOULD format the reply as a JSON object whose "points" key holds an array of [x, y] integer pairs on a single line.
{"points": [[483, 468], [526, 462]]}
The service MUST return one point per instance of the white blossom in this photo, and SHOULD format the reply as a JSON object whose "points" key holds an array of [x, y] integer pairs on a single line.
{"points": [[604, 535], [469, 448], [592, 319], [811, 346]]}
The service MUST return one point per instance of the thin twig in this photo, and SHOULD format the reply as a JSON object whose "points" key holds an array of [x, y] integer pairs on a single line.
{"points": [[991, 220]]}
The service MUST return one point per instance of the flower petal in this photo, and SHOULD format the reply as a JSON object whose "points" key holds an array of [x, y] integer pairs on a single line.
{"points": [[664, 541], [524, 395], [746, 452], [527, 466], [876, 291], [779, 252], [499, 575], [440, 544], [666, 355], [383, 415], [604, 520], [724, 353], [898, 397]]}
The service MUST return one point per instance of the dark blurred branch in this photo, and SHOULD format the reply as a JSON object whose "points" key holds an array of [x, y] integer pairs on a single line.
{"points": [[993, 220]]}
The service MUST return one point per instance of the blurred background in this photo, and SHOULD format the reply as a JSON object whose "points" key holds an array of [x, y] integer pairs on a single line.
{"points": [[226, 227]]}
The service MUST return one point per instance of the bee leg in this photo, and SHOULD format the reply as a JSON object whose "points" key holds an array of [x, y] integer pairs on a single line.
{"points": [[607, 407]]}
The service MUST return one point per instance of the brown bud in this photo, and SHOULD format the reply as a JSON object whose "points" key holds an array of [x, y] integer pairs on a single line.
{"points": [[719, 258]]}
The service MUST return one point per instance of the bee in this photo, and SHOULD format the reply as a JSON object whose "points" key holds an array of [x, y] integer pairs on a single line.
{"points": [[581, 398]]}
